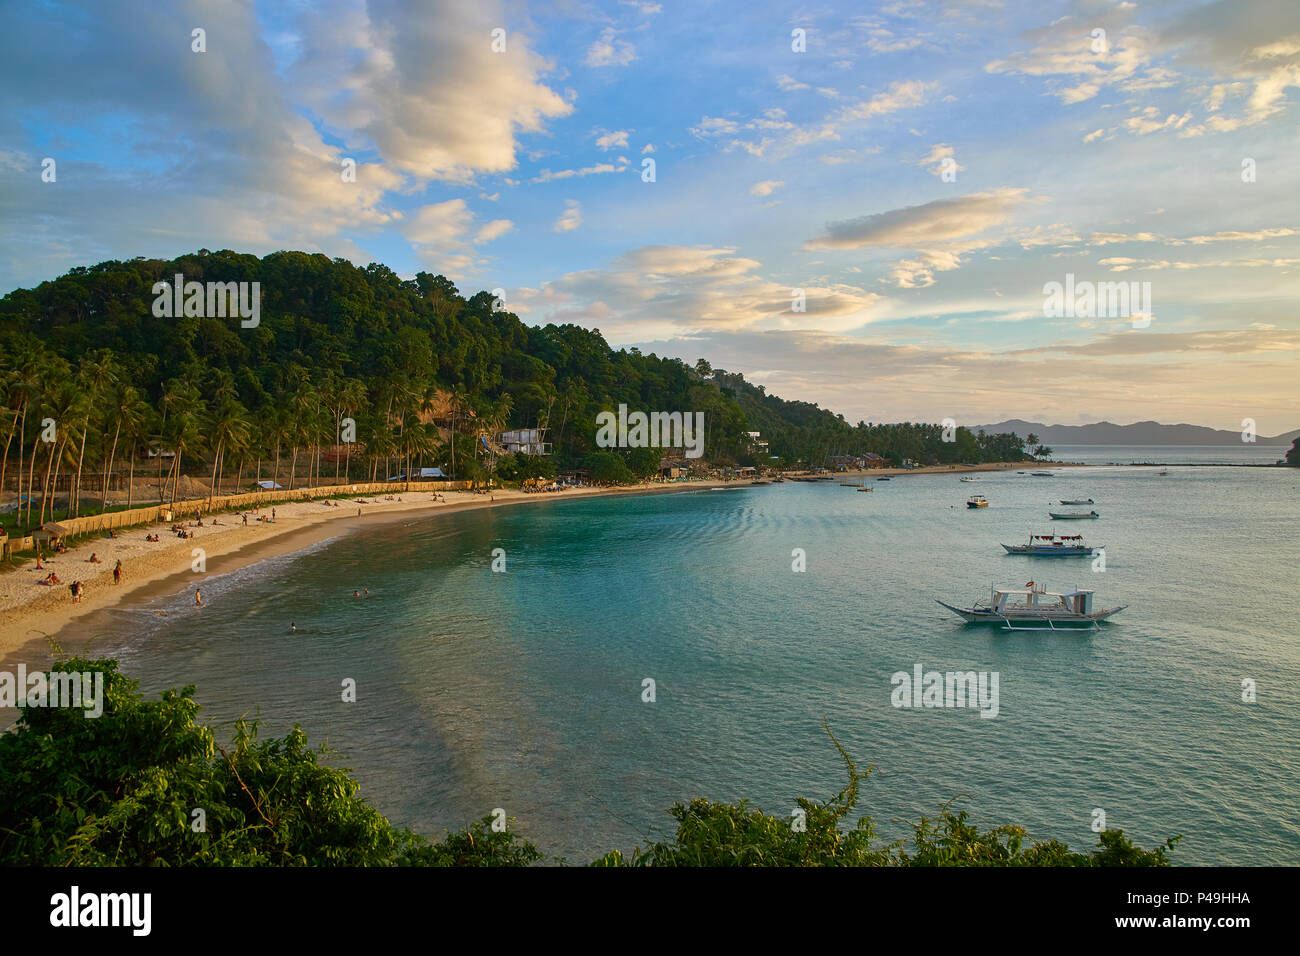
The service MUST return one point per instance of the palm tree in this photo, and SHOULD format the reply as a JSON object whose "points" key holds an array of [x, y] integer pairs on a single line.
{"points": [[124, 400], [228, 427], [97, 373], [182, 435], [134, 415]]}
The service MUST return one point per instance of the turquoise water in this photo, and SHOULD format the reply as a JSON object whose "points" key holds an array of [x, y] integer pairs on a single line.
{"points": [[522, 690]]}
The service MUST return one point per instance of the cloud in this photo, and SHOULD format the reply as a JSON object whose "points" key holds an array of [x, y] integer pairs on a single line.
{"points": [[918, 226], [610, 51], [612, 139], [546, 175], [941, 159], [765, 188], [571, 218], [493, 230], [397, 76], [669, 289]]}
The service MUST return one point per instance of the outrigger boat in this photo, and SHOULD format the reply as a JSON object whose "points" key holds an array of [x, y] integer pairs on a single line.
{"points": [[1052, 546], [1069, 515], [967, 478], [977, 501], [1034, 605], [1078, 501], [1042, 474]]}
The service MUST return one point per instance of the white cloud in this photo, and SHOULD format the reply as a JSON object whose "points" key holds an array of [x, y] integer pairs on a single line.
{"points": [[571, 218], [919, 226], [608, 140], [399, 79], [493, 230], [765, 188], [610, 51]]}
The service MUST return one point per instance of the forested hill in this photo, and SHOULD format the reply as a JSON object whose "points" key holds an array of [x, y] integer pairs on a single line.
{"points": [[396, 355]]}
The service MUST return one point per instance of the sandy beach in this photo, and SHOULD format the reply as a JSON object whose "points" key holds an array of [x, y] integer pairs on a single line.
{"points": [[32, 613]]}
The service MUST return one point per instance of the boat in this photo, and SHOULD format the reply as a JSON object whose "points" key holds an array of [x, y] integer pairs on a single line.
{"points": [[1070, 515], [1162, 474], [1033, 606], [1052, 546], [977, 501], [1078, 501], [1042, 474], [882, 479], [967, 478], [864, 489]]}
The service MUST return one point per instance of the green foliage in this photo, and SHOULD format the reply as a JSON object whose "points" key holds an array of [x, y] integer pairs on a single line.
{"points": [[712, 834], [1293, 453], [606, 466], [120, 790], [410, 362]]}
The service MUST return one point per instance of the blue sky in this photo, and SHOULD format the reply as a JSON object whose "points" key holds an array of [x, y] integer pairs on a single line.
{"points": [[1100, 139]]}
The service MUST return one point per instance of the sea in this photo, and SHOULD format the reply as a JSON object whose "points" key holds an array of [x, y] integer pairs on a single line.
{"points": [[629, 653]]}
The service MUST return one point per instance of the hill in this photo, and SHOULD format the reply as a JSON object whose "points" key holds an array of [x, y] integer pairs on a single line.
{"points": [[1138, 433]]}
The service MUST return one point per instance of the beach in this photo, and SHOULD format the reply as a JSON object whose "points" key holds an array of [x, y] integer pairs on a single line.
{"points": [[32, 614]]}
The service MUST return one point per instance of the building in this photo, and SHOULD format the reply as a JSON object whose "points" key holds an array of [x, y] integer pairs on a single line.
{"points": [[525, 441]]}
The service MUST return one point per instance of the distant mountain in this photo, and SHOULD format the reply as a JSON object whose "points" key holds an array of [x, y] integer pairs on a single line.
{"points": [[1139, 433]]}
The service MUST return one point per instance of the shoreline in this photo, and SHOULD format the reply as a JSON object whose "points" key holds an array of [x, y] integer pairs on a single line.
{"points": [[32, 616]]}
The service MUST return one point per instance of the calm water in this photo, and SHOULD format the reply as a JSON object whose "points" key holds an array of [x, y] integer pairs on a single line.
{"points": [[522, 690], [1246, 453]]}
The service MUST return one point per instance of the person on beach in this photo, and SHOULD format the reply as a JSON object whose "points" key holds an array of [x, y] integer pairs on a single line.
{"points": [[245, 520], [94, 558], [273, 514], [358, 512], [117, 572]]}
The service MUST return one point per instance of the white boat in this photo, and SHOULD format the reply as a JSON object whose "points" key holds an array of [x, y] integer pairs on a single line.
{"points": [[1072, 515], [1033, 606], [1053, 546], [1078, 501], [967, 478]]}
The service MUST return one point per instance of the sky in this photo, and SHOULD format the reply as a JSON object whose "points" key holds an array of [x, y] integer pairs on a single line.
{"points": [[857, 204]]}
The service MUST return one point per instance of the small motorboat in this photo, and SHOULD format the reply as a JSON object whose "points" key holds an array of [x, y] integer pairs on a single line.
{"points": [[1078, 501], [967, 478], [977, 501], [864, 489], [883, 478], [1033, 606], [1042, 474], [1052, 546], [1072, 516]]}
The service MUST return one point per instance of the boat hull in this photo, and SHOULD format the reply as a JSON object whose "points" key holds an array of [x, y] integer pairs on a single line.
{"points": [[1039, 552], [1042, 619]]}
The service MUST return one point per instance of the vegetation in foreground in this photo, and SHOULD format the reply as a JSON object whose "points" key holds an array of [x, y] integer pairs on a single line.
{"points": [[122, 789]]}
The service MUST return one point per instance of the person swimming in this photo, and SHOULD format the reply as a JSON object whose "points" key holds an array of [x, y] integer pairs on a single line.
{"points": [[293, 628], [198, 598], [356, 594]]}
